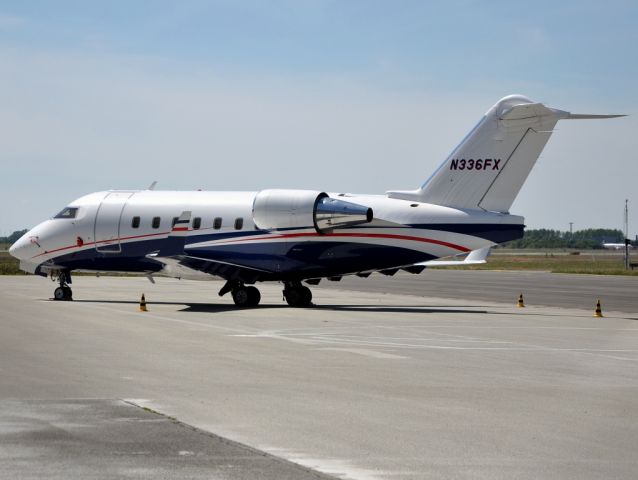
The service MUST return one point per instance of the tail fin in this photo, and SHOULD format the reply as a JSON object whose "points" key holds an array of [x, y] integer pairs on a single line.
{"points": [[488, 168]]}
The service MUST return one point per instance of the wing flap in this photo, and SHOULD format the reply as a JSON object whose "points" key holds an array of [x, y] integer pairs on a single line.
{"points": [[197, 268]]}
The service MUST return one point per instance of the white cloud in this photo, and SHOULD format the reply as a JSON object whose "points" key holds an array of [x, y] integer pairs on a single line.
{"points": [[9, 22], [533, 38]]}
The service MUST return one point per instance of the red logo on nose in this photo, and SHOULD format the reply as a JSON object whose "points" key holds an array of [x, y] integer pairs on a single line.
{"points": [[79, 241]]}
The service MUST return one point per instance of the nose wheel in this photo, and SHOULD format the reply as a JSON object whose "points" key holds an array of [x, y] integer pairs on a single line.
{"points": [[63, 292]]}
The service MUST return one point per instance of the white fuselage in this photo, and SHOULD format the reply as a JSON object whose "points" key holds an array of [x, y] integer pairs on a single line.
{"points": [[118, 230]]}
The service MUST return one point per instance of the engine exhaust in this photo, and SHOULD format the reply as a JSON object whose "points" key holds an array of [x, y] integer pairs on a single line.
{"points": [[332, 213]]}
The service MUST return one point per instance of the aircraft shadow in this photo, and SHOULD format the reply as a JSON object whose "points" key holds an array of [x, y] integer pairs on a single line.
{"points": [[217, 308], [395, 309], [189, 307], [420, 309]]}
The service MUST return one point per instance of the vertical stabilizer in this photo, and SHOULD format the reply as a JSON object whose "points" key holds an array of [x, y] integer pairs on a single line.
{"points": [[488, 168]]}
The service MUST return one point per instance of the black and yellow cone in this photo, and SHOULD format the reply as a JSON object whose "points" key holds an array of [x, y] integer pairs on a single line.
{"points": [[599, 311], [143, 304], [520, 303]]}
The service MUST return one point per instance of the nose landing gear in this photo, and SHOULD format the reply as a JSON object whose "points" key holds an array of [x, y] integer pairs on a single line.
{"points": [[63, 292]]}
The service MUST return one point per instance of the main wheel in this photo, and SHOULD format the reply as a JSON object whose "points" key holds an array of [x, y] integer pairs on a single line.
{"points": [[241, 297], [59, 293], [254, 296], [298, 296], [246, 296]]}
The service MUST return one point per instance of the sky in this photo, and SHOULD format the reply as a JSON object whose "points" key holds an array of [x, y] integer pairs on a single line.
{"points": [[342, 96]]}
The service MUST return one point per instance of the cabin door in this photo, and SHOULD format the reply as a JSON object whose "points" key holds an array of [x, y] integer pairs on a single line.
{"points": [[107, 222]]}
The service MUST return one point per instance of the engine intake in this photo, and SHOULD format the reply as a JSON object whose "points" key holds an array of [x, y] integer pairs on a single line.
{"points": [[286, 209]]}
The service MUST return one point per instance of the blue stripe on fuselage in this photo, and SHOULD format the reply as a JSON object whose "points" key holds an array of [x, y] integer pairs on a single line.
{"points": [[306, 257]]}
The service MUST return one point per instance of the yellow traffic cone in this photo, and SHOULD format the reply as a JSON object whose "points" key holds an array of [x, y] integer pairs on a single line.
{"points": [[598, 312], [143, 304], [520, 303]]}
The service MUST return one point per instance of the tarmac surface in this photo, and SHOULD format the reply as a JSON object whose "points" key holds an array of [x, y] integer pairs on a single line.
{"points": [[616, 292], [363, 386]]}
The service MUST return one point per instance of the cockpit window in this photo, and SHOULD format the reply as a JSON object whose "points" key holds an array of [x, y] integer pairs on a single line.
{"points": [[68, 212]]}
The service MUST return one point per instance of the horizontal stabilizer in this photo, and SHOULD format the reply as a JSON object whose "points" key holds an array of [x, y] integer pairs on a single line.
{"points": [[589, 116]]}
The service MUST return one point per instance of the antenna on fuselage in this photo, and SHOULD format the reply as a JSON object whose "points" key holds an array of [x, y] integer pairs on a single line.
{"points": [[152, 185]]}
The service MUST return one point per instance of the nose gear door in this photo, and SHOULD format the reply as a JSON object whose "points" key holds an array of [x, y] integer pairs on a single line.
{"points": [[107, 222]]}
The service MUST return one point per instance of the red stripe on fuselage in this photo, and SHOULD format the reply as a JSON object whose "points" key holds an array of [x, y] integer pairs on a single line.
{"points": [[460, 248], [99, 241], [355, 235]]}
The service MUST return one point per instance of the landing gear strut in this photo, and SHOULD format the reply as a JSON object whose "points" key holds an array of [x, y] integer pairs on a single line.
{"points": [[63, 292], [297, 295], [243, 296]]}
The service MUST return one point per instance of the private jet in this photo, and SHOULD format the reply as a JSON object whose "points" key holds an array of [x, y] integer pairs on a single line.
{"points": [[299, 237]]}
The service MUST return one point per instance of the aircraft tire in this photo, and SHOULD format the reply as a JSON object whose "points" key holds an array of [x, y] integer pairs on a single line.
{"points": [[59, 294], [298, 296], [63, 293], [254, 296], [246, 297]]}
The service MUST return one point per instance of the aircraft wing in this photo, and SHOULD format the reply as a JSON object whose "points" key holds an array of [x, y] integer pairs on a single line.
{"points": [[196, 268], [475, 257]]}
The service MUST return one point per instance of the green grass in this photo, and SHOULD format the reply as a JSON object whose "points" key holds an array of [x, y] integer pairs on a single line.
{"points": [[9, 265], [558, 262]]}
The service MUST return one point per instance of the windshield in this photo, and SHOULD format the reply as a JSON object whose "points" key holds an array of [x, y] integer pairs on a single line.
{"points": [[68, 212]]}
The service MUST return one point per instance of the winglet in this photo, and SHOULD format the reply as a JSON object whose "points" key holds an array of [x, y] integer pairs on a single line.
{"points": [[479, 255], [152, 185], [475, 257]]}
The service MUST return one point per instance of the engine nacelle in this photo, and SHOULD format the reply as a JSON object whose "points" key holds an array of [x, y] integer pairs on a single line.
{"points": [[285, 209]]}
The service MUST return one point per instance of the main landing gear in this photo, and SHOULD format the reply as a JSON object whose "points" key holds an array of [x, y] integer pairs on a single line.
{"points": [[246, 296], [243, 296], [297, 295], [63, 292]]}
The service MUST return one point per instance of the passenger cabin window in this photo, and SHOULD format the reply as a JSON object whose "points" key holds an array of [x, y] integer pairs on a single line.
{"points": [[197, 222], [239, 223], [217, 223], [156, 222], [68, 212], [135, 223]]}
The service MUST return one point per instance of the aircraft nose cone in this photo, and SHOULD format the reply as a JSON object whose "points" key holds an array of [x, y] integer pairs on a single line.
{"points": [[17, 250]]}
